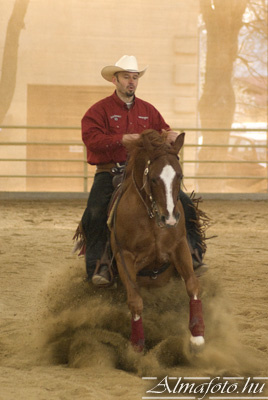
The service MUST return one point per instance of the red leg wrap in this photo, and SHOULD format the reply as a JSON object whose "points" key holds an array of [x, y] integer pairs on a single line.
{"points": [[196, 323], [137, 335]]}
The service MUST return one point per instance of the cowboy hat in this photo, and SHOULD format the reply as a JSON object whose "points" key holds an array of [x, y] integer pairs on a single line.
{"points": [[126, 63]]}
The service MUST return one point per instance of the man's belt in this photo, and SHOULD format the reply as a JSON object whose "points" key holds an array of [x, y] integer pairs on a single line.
{"points": [[114, 168]]}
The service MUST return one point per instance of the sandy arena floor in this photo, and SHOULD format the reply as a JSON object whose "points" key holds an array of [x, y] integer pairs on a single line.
{"points": [[61, 339]]}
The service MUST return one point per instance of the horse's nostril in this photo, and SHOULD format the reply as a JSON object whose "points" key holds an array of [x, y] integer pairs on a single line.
{"points": [[177, 216], [163, 218]]}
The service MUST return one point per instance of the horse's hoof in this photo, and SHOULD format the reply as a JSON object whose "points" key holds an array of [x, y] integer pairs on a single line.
{"points": [[197, 343]]}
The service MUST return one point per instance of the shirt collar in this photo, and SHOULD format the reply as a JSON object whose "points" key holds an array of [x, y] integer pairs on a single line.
{"points": [[120, 102]]}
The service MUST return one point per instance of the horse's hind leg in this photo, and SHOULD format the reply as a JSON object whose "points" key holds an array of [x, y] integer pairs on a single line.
{"points": [[185, 269]]}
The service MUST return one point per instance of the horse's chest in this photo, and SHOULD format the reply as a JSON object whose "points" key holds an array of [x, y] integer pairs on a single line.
{"points": [[156, 247]]}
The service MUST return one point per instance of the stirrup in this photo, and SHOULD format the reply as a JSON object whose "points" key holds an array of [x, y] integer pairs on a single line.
{"points": [[201, 269]]}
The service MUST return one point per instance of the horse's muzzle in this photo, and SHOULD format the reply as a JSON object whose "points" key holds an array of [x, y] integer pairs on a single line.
{"points": [[169, 221]]}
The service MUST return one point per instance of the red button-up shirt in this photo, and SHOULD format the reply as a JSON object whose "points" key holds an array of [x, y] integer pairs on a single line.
{"points": [[105, 123]]}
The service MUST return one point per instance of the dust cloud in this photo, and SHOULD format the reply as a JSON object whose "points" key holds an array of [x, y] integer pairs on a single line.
{"points": [[61, 338], [89, 327]]}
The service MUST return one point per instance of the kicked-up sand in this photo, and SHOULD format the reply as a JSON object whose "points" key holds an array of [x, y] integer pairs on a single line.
{"points": [[60, 338]]}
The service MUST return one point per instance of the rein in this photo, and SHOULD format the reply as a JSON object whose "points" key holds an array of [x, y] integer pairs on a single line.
{"points": [[153, 210], [117, 241]]}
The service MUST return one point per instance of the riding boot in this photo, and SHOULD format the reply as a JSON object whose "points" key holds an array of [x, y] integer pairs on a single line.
{"points": [[103, 275]]}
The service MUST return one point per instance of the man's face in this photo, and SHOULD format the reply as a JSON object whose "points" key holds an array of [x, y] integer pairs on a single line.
{"points": [[126, 83]]}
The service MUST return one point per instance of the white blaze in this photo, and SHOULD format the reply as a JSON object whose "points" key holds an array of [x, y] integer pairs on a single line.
{"points": [[167, 175]]}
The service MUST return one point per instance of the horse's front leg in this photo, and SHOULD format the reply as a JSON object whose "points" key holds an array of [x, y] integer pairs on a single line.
{"points": [[196, 321], [127, 272], [185, 268]]}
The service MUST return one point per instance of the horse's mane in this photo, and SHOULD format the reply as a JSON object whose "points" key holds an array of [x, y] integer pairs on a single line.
{"points": [[151, 143]]}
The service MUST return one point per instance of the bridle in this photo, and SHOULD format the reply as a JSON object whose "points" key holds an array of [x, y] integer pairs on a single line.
{"points": [[152, 210]]}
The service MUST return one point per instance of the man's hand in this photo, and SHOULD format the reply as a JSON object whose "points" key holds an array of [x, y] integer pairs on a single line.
{"points": [[128, 137]]}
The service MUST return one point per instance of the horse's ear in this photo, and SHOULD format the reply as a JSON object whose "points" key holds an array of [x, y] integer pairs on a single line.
{"points": [[179, 142]]}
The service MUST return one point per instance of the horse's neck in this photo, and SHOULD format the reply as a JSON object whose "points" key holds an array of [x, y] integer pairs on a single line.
{"points": [[138, 187], [138, 173], [138, 169]]}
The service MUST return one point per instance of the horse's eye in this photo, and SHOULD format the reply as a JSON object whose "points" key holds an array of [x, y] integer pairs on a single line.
{"points": [[154, 181]]}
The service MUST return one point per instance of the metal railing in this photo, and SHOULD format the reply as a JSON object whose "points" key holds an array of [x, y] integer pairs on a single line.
{"points": [[86, 175]]}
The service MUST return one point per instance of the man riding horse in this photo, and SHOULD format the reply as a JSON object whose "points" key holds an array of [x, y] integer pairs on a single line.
{"points": [[106, 128]]}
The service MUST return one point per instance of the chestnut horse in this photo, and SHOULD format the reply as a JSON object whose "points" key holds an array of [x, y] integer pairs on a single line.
{"points": [[148, 235]]}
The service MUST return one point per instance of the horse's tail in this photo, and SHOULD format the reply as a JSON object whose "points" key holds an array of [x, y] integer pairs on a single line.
{"points": [[202, 222]]}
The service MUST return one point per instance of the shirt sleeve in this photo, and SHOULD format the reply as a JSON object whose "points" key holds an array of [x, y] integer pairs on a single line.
{"points": [[95, 132], [158, 122]]}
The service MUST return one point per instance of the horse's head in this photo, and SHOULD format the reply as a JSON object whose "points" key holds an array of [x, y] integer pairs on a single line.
{"points": [[162, 179]]}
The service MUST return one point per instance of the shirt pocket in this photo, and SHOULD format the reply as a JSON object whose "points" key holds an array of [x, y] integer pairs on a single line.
{"points": [[115, 126], [143, 122]]}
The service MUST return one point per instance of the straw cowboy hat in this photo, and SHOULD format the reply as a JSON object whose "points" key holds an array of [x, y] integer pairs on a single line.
{"points": [[126, 63]]}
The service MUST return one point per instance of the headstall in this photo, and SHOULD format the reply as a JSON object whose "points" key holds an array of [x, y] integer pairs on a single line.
{"points": [[153, 209]]}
